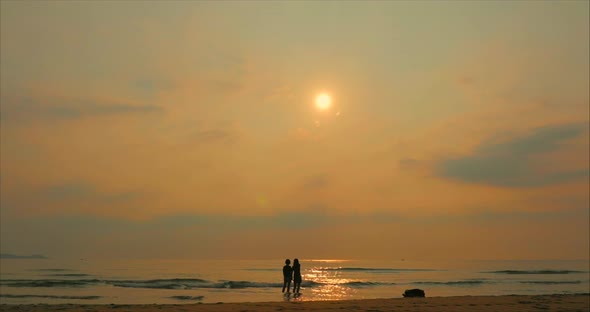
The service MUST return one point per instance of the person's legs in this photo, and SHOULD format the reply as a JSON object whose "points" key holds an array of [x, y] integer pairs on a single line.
{"points": [[284, 285], [289, 287]]}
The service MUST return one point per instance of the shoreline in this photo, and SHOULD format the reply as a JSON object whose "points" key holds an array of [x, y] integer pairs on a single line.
{"points": [[555, 302]]}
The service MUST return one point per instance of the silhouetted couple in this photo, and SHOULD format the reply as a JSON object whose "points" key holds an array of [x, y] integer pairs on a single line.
{"points": [[292, 273]]}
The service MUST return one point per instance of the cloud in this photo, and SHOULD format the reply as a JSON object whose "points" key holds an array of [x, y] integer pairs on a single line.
{"points": [[305, 219], [81, 191], [315, 182], [234, 236], [409, 163], [214, 135], [508, 163], [26, 108], [543, 139], [228, 132], [72, 195], [152, 86]]}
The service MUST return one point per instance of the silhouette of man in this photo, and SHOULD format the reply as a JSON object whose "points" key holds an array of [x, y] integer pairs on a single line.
{"points": [[287, 276]]}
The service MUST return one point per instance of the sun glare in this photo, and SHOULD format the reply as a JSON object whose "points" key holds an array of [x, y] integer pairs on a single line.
{"points": [[323, 101]]}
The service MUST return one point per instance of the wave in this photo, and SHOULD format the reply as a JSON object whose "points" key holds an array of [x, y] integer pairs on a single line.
{"points": [[308, 283], [353, 284], [187, 298], [48, 283], [550, 282], [366, 284], [51, 297], [175, 283], [452, 283], [535, 272], [51, 270], [69, 275], [245, 284], [375, 270], [195, 283]]}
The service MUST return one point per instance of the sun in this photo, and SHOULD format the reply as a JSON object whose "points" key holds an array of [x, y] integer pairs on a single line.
{"points": [[323, 101]]}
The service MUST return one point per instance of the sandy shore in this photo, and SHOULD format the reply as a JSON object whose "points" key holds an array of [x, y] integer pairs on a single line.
{"points": [[436, 304]]}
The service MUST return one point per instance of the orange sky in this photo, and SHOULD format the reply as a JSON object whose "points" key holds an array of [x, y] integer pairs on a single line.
{"points": [[457, 130]]}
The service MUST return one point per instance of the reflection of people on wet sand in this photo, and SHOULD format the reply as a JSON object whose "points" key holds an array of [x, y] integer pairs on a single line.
{"points": [[287, 276], [296, 276]]}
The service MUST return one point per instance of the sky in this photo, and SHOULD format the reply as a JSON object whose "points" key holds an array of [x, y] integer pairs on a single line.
{"points": [[189, 129]]}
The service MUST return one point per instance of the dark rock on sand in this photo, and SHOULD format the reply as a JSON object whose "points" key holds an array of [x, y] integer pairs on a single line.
{"points": [[414, 293]]}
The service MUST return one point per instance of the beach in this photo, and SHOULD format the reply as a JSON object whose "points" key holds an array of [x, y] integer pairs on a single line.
{"points": [[574, 302], [213, 155]]}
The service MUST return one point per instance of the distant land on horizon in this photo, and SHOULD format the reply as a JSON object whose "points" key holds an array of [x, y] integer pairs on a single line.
{"points": [[11, 256]]}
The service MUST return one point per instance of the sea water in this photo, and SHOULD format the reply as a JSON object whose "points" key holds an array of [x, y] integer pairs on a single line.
{"points": [[210, 281]]}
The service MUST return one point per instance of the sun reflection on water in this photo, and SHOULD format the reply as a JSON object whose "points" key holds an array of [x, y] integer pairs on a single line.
{"points": [[332, 286]]}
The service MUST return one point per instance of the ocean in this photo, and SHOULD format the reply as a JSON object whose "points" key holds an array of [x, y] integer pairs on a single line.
{"points": [[209, 281]]}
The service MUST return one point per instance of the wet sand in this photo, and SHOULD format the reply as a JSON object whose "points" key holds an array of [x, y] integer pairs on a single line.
{"points": [[580, 302]]}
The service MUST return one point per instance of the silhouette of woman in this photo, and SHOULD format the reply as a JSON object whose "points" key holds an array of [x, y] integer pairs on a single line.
{"points": [[287, 275], [296, 275]]}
